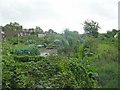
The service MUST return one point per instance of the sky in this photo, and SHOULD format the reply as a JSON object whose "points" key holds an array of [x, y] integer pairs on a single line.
{"points": [[60, 14]]}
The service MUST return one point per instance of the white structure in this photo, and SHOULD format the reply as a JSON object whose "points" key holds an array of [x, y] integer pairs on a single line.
{"points": [[41, 35], [44, 54], [39, 46], [2, 32], [116, 35]]}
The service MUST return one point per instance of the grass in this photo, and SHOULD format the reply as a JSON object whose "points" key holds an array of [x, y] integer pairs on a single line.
{"points": [[107, 66], [108, 74]]}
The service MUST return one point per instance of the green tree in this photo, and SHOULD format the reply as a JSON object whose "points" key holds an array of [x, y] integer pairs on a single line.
{"points": [[70, 40], [38, 29], [112, 33], [72, 37], [50, 31], [12, 27], [91, 27]]}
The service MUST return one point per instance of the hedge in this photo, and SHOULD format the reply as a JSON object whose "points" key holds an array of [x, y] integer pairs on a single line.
{"points": [[27, 58]]}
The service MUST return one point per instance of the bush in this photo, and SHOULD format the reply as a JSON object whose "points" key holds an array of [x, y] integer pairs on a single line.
{"points": [[27, 58], [32, 50], [49, 72], [108, 74]]}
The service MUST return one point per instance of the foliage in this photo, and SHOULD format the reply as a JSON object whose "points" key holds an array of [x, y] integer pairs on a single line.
{"points": [[108, 74], [70, 42], [90, 46], [81, 61], [49, 39], [107, 52], [50, 31], [12, 40], [38, 30], [112, 33], [27, 58], [107, 65], [91, 27], [31, 50], [12, 27], [32, 39], [49, 72]]}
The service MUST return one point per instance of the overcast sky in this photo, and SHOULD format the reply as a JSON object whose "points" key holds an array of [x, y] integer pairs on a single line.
{"points": [[60, 14]]}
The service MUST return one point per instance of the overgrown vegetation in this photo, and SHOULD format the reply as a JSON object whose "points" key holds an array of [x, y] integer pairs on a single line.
{"points": [[89, 60]]}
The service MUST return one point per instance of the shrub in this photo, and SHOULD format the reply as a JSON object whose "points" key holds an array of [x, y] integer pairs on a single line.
{"points": [[49, 72], [27, 58], [32, 50]]}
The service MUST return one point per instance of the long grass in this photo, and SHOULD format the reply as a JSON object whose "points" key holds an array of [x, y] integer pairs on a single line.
{"points": [[107, 66]]}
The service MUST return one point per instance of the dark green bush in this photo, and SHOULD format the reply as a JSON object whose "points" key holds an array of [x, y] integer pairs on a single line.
{"points": [[49, 72], [30, 50], [27, 58]]}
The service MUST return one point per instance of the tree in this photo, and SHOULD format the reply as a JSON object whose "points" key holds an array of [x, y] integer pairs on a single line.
{"points": [[12, 27], [70, 41], [50, 31], [91, 27], [38, 30], [112, 33], [109, 34]]}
